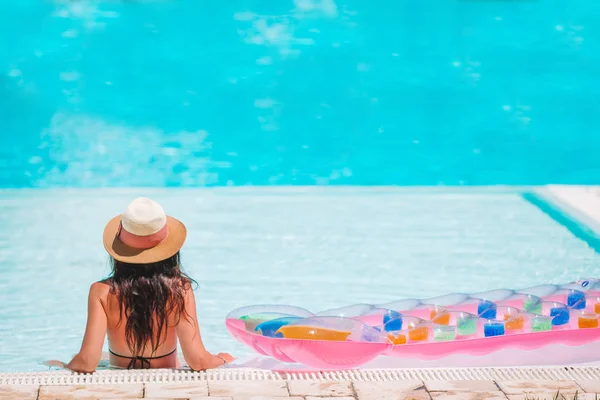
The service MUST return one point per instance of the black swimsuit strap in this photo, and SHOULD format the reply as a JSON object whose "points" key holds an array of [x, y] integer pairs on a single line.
{"points": [[144, 361]]}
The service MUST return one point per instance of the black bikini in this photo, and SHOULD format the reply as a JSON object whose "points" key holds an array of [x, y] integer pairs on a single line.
{"points": [[144, 361]]}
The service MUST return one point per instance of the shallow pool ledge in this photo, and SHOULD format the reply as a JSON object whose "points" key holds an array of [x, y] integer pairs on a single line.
{"points": [[583, 202]]}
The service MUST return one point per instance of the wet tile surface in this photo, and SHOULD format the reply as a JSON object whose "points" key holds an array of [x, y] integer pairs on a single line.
{"points": [[591, 385], [395, 390], [464, 395], [89, 392], [524, 387], [176, 390], [267, 398], [210, 398], [461, 386], [19, 392], [248, 388], [552, 396], [330, 398], [319, 388]]}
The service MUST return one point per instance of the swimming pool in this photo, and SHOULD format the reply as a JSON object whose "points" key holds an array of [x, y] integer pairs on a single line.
{"points": [[266, 245], [189, 93], [184, 94]]}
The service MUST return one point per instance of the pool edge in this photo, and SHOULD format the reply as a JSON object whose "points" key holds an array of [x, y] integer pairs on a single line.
{"points": [[65, 377], [577, 208]]}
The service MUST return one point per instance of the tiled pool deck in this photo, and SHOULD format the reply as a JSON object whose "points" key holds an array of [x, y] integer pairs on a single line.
{"points": [[358, 387], [476, 383]]}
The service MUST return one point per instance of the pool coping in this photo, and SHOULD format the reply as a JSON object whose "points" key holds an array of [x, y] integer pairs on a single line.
{"points": [[65, 377]]}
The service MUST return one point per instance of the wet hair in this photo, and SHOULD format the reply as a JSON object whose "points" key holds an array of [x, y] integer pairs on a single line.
{"points": [[148, 294]]}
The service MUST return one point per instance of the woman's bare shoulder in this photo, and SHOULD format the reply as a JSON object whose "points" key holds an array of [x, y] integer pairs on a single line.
{"points": [[100, 288]]}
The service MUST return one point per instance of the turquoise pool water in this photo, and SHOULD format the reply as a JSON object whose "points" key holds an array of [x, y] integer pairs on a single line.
{"points": [[317, 248], [196, 93], [184, 94]]}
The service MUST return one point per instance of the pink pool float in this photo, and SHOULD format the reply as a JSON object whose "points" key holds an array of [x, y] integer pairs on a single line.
{"points": [[295, 335], [542, 325]]}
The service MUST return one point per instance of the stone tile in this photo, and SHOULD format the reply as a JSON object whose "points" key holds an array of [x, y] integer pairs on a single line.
{"points": [[552, 396], [210, 398], [319, 388], [592, 385], [129, 398], [329, 398], [461, 386], [236, 388], [395, 390], [463, 395], [524, 387], [266, 398], [92, 392], [176, 390], [420, 394], [19, 392], [157, 398]]}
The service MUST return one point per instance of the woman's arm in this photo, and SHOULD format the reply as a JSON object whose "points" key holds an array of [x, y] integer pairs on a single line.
{"points": [[188, 332], [91, 349]]}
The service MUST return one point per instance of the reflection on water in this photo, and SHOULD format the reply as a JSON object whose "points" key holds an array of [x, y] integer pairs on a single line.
{"points": [[188, 93]]}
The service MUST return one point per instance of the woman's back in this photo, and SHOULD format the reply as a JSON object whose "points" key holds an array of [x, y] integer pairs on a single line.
{"points": [[144, 304], [117, 341]]}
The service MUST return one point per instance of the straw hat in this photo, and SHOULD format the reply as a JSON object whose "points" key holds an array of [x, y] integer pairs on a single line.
{"points": [[143, 234]]}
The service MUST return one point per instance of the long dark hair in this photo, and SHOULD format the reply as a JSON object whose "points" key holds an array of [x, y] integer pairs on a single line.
{"points": [[147, 295]]}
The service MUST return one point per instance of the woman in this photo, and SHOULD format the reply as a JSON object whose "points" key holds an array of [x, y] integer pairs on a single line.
{"points": [[147, 304]]}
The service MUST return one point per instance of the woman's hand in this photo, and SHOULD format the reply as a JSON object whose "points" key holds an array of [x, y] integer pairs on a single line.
{"points": [[226, 358]]}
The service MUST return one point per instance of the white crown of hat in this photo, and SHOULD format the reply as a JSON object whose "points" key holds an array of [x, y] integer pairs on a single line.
{"points": [[143, 217]]}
